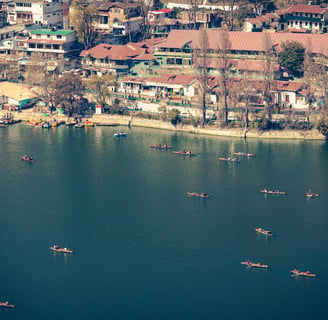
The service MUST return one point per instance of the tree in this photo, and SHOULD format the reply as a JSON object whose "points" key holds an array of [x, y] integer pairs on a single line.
{"points": [[68, 90], [174, 116], [224, 62], [201, 64], [268, 74], [83, 19], [292, 57], [100, 88], [193, 13]]}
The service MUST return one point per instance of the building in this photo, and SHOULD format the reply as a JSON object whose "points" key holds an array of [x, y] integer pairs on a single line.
{"points": [[118, 59], [48, 13], [52, 43], [160, 14]]}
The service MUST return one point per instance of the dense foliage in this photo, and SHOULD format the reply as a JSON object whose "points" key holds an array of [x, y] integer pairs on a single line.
{"points": [[292, 57]]}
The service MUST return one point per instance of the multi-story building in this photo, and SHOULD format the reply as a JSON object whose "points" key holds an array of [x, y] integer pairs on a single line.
{"points": [[36, 12], [52, 43]]}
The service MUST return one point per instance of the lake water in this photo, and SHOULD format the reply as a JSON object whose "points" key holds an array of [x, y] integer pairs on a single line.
{"points": [[142, 248]]}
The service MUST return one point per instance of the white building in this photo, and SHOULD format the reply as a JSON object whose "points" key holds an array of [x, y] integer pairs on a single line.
{"points": [[124, 27], [36, 12]]}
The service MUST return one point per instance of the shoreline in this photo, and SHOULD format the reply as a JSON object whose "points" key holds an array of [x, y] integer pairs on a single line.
{"points": [[131, 121]]}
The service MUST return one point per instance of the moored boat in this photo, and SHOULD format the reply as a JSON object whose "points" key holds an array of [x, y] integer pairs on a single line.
{"points": [[198, 195], [274, 192], [120, 134], [6, 305], [296, 273], [229, 159], [265, 232], [89, 123], [61, 250], [79, 125], [27, 158]]}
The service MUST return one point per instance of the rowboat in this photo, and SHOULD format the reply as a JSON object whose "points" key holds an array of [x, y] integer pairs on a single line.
{"points": [[244, 154], [119, 134], [184, 153], [160, 146], [198, 195], [311, 195], [274, 192], [229, 159], [254, 265], [61, 250], [27, 158], [6, 305], [296, 273], [265, 232], [79, 125]]}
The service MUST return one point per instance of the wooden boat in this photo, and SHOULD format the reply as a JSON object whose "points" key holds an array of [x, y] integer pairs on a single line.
{"points": [[244, 154], [61, 250], [160, 146], [27, 158], [6, 305], [265, 232], [198, 195], [79, 125], [120, 134], [254, 265], [89, 124], [229, 159], [311, 195], [274, 192], [296, 273], [70, 123], [184, 153]]}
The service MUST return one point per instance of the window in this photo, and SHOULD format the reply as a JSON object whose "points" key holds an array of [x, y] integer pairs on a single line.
{"points": [[170, 61], [59, 36], [287, 97], [39, 46], [56, 46]]}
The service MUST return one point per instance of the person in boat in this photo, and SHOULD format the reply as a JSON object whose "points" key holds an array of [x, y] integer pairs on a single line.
{"points": [[204, 194]]}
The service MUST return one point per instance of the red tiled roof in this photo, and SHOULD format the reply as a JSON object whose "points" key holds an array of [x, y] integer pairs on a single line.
{"points": [[304, 8], [140, 51], [252, 65], [244, 41], [289, 85], [164, 10], [46, 41]]}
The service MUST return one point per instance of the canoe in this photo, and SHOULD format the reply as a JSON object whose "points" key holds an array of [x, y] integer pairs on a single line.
{"points": [[6, 305], [61, 250], [198, 195], [255, 265], [274, 192], [119, 134], [184, 153], [244, 154], [160, 146], [265, 232], [296, 273], [27, 158], [229, 159]]}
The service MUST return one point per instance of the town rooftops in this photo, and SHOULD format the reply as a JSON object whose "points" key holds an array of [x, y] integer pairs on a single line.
{"points": [[159, 11], [304, 8], [52, 32], [243, 41]]}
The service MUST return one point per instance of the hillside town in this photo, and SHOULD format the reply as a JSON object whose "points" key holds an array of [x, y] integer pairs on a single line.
{"points": [[247, 64]]}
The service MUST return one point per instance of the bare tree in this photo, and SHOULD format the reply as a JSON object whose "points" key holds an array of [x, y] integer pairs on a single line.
{"points": [[193, 13], [83, 19], [229, 10], [224, 47], [268, 73], [201, 64]]}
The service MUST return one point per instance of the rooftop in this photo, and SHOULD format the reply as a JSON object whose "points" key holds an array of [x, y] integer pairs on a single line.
{"points": [[52, 32]]}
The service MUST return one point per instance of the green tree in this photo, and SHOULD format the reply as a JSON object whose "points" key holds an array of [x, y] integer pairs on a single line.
{"points": [[83, 20], [174, 116], [292, 57]]}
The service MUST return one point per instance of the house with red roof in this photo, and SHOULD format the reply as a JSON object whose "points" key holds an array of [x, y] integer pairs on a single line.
{"points": [[117, 59], [160, 14]]}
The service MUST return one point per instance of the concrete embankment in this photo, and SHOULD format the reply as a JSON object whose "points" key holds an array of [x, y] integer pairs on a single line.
{"points": [[157, 124]]}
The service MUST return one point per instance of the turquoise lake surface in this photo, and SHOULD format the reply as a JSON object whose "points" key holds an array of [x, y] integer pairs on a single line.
{"points": [[142, 248]]}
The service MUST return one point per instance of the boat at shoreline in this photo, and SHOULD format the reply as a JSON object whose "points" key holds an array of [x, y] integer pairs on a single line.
{"points": [[160, 146], [120, 134], [61, 250], [198, 195], [27, 158], [6, 305], [296, 273], [265, 232], [244, 154], [229, 159], [79, 125], [184, 153], [311, 195], [274, 192], [254, 265]]}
